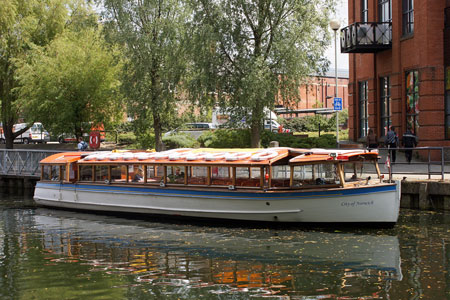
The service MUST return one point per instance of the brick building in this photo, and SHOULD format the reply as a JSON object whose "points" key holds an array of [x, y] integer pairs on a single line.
{"points": [[399, 51], [318, 92]]}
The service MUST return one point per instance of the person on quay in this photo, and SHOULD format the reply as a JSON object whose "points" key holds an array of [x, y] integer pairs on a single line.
{"points": [[391, 142], [82, 145], [409, 141], [371, 140]]}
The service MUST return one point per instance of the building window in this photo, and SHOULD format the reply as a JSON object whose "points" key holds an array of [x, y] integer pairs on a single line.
{"points": [[447, 102], [408, 17], [384, 10], [385, 109], [412, 100], [363, 109], [364, 11]]}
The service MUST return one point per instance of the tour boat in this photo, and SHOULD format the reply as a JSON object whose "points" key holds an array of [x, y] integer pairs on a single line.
{"points": [[273, 185]]}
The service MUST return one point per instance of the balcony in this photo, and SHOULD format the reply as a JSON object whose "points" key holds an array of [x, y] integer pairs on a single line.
{"points": [[366, 37]]}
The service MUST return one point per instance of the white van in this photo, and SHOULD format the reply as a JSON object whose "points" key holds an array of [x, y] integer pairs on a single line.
{"points": [[34, 134]]}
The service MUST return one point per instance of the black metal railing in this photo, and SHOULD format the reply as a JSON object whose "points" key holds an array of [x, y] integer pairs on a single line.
{"points": [[366, 37]]}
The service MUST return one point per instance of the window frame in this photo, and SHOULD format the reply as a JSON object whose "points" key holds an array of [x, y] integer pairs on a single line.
{"points": [[364, 11], [407, 17], [382, 6], [363, 106], [385, 105]]}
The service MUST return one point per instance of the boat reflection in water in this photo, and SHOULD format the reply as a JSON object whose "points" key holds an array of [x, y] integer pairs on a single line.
{"points": [[193, 260]]}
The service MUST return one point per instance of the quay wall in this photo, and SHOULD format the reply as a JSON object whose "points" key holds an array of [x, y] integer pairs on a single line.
{"points": [[423, 194]]}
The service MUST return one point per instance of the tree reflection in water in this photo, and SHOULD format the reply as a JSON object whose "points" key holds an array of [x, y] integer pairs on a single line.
{"points": [[65, 255]]}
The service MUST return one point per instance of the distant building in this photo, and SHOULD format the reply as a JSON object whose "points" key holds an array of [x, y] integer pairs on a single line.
{"points": [[399, 68], [317, 93]]}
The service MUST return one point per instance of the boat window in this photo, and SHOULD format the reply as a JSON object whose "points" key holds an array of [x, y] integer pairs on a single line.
{"points": [[86, 173], [155, 174], [243, 177], [255, 173], [281, 176], [319, 174], [221, 176], [45, 172], [119, 174], [73, 172], [354, 171], [136, 173], [197, 175], [55, 173], [175, 174], [101, 173]]}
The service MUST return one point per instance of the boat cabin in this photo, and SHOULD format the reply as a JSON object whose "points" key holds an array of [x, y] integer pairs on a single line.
{"points": [[264, 169]]}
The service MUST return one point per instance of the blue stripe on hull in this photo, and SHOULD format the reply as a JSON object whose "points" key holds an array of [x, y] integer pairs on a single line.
{"points": [[170, 191]]}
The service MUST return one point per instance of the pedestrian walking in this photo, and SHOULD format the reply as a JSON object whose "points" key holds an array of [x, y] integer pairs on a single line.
{"points": [[371, 140], [82, 145], [391, 142], [409, 141]]}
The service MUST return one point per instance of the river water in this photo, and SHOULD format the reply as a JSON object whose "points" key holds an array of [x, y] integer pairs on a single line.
{"points": [[56, 254]]}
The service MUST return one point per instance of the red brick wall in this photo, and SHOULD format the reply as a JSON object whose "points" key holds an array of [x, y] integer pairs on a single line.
{"points": [[318, 92], [424, 51]]}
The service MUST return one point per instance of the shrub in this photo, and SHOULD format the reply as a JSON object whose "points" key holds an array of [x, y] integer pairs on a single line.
{"points": [[226, 138], [179, 140], [289, 140], [126, 138]]}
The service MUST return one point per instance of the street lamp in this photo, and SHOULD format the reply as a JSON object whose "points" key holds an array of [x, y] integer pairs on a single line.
{"points": [[335, 24]]}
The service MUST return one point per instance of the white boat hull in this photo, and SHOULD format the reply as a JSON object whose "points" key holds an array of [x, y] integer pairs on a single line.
{"points": [[363, 204]]}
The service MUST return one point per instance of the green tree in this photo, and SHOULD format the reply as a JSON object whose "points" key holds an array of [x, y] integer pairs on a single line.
{"points": [[153, 35], [23, 23], [248, 52], [71, 82]]}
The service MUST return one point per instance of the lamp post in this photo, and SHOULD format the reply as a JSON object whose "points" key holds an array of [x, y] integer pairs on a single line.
{"points": [[335, 25]]}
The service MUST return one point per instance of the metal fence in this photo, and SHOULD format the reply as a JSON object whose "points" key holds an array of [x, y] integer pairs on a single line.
{"points": [[427, 161], [22, 162]]}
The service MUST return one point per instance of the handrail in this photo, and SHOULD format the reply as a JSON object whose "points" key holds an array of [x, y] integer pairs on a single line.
{"points": [[428, 163]]}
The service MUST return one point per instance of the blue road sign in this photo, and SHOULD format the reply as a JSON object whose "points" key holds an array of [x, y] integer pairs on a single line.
{"points": [[337, 103]]}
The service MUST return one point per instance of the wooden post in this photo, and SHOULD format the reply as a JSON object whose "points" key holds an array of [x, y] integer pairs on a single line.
{"points": [[340, 168], [145, 173], [208, 176], [233, 180], [61, 173], [261, 175], [270, 177], [291, 177], [165, 175], [377, 167]]}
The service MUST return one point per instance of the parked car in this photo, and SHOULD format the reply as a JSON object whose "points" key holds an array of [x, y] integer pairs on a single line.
{"points": [[35, 134], [70, 137], [191, 127]]}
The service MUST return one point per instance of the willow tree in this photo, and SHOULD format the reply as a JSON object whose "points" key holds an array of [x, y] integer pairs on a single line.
{"points": [[153, 35], [252, 51], [23, 23], [72, 82]]}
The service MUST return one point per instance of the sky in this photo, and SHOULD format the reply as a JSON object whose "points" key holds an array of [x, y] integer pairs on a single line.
{"points": [[341, 15]]}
